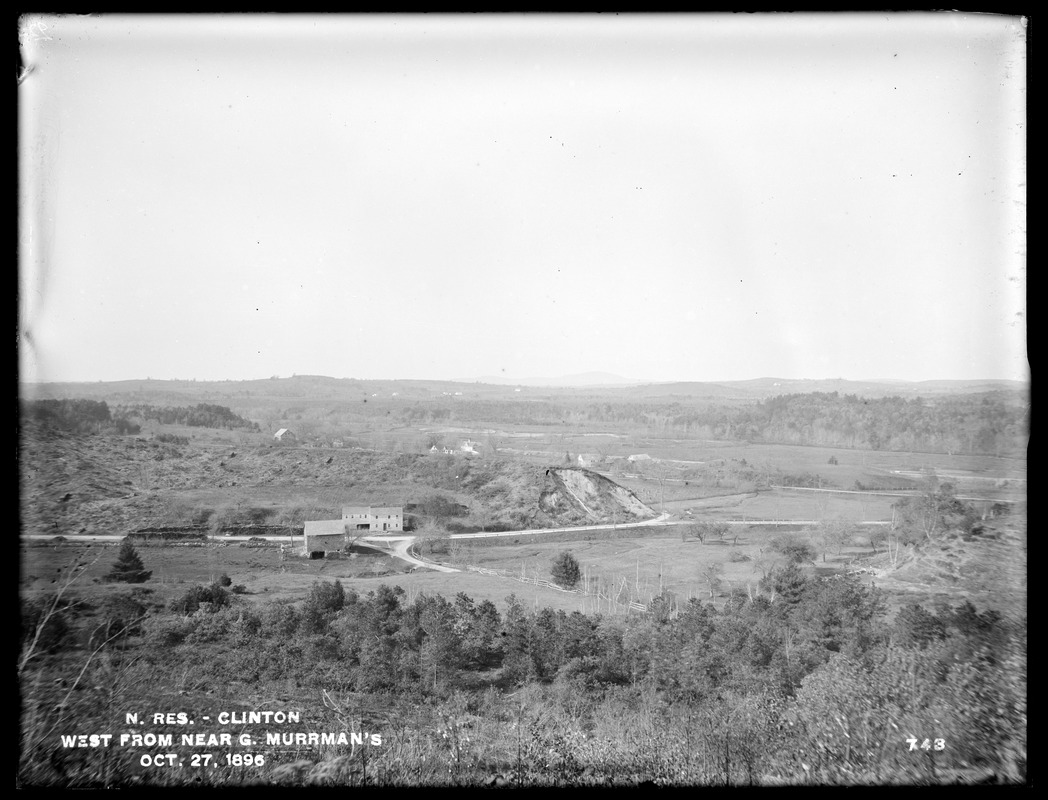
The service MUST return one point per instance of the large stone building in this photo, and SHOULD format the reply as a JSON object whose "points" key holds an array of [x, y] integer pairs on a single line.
{"points": [[381, 519], [332, 535]]}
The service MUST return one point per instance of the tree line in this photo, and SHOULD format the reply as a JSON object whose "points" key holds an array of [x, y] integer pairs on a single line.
{"points": [[201, 415], [76, 416], [989, 423]]}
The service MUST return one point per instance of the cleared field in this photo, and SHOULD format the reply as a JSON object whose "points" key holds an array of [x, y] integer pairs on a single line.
{"points": [[265, 576], [801, 505], [640, 568]]}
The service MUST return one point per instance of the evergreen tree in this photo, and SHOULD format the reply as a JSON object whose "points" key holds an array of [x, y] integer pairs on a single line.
{"points": [[566, 571], [128, 567]]}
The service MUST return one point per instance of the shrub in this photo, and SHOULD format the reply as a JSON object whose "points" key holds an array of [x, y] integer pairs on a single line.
{"points": [[170, 438], [120, 616], [214, 596], [565, 570], [796, 551], [225, 580], [327, 596]]}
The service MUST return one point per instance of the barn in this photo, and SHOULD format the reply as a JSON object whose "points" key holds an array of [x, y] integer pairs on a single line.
{"points": [[326, 536], [285, 435]]}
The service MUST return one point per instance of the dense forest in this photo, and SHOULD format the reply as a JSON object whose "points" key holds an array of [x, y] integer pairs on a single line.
{"points": [[94, 416], [76, 416], [202, 415], [990, 423], [807, 680]]}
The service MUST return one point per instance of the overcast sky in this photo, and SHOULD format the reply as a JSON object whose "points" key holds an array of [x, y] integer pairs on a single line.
{"points": [[663, 198]]}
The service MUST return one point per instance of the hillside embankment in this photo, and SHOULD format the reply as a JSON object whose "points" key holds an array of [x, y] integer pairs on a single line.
{"points": [[99, 484], [578, 494]]}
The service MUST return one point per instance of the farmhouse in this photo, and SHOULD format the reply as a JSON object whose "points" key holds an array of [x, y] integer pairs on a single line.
{"points": [[284, 435], [375, 519], [332, 535]]}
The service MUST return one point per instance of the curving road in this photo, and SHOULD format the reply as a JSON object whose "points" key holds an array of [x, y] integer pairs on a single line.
{"points": [[399, 545]]}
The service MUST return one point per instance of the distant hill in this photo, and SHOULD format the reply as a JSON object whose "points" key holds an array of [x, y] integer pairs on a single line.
{"points": [[761, 388], [579, 379], [589, 384]]}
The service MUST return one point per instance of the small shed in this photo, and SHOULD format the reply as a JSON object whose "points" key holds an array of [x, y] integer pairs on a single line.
{"points": [[285, 435]]}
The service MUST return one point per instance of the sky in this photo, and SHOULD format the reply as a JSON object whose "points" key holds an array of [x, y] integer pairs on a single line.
{"points": [[664, 198]]}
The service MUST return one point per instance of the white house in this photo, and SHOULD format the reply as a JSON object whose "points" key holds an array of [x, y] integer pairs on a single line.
{"points": [[285, 435], [379, 519]]}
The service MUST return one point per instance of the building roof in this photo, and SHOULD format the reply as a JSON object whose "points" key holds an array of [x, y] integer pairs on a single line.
{"points": [[322, 527], [373, 510]]}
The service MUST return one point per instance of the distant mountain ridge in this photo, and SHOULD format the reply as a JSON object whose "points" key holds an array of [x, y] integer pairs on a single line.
{"points": [[614, 387]]}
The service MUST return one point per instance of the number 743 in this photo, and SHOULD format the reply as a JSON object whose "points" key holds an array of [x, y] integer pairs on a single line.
{"points": [[927, 744]]}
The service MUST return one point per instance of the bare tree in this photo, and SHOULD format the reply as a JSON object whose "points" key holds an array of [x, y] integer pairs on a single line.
{"points": [[712, 575], [834, 533]]}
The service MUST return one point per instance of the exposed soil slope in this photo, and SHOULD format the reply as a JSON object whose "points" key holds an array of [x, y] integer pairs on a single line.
{"points": [[583, 495]]}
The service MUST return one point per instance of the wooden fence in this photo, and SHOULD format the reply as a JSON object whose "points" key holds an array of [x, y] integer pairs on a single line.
{"points": [[632, 605]]}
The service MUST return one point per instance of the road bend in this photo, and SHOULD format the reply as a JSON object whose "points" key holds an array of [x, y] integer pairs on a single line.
{"points": [[399, 545]]}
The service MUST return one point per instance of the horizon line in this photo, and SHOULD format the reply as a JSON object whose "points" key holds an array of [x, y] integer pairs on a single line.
{"points": [[492, 380]]}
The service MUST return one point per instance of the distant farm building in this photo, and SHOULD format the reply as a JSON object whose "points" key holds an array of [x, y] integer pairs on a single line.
{"points": [[285, 435], [639, 457], [333, 535], [375, 519], [469, 447]]}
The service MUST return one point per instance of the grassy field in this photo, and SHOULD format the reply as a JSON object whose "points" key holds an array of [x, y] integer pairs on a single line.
{"points": [[641, 567], [265, 576]]}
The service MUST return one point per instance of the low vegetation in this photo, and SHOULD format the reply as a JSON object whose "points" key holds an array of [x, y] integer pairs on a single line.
{"points": [[806, 681]]}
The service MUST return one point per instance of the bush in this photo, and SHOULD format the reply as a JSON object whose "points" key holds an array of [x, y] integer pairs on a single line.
{"points": [[170, 438], [214, 596], [796, 551], [225, 580], [327, 596], [565, 570], [120, 616]]}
